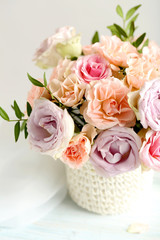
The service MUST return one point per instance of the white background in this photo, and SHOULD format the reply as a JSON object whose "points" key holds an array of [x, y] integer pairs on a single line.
{"points": [[25, 23]]}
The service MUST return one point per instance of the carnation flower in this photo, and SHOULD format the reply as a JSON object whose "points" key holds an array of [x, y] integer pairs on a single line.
{"points": [[140, 70], [107, 104], [113, 49]]}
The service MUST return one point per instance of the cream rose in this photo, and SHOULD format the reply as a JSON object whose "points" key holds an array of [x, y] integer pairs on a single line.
{"points": [[62, 70], [69, 92]]}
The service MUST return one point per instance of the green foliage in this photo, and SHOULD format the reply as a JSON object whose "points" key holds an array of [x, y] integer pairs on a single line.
{"points": [[3, 114], [29, 109], [17, 110], [121, 31], [114, 31], [132, 20], [25, 131], [45, 80], [139, 40], [119, 11], [35, 81], [95, 37], [132, 11], [126, 33], [17, 131]]}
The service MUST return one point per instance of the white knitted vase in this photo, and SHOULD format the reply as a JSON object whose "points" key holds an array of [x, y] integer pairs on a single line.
{"points": [[101, 195]]}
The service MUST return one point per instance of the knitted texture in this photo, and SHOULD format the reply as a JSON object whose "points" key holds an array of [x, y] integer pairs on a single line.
{"points": [[101, 195]]}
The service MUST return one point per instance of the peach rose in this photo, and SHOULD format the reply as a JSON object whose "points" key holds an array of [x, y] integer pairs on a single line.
{"points": [[63, 69], [107, 104], [141, 70], [77, 153], [36, 93], [69, 92], [113, 49]]}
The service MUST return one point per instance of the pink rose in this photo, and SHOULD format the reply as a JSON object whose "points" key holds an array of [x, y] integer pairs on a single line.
{"points": [[107, 104], [50, 128], [149, 104], [69, 92], [77, 152], [115, 151], [140, 70], [150, 151], [92, 67], [62, 70], [113, 49], [36, 93]]}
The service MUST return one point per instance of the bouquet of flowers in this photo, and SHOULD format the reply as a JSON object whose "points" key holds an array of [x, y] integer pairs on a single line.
{"points": [[101, 103]]}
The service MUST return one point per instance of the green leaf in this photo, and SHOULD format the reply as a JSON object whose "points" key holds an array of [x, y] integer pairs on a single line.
{"points": [[23, 125], [139, 40], [34, 81], [25, 131], [132, 29], [75, 58], [17, 110], [119, 11], [45, 80], [3, 114], [29, 109], [16, 131], [132, 11], [95, 38], [144, 45], [132, 20], [114, 31], [120, 30]]}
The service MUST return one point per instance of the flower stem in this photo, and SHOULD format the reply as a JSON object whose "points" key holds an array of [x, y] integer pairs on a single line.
{"points": [[18, 120]]}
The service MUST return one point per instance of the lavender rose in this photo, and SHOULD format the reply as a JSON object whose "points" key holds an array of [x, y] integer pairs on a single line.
{"points": [[149, 104], [50, 128], [115, 151]]}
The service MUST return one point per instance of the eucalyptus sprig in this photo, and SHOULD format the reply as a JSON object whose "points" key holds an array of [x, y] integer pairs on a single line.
{"points": [[20, 122], [126, 32]]}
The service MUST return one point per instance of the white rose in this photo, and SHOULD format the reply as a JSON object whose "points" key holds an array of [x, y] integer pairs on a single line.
{"points": [[64, 43]]}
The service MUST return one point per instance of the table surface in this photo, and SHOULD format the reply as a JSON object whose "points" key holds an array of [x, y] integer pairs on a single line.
{"points": [[70, 222]]}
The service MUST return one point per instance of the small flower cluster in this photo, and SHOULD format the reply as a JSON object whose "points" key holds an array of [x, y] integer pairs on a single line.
{"points": [[101, 103]]}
